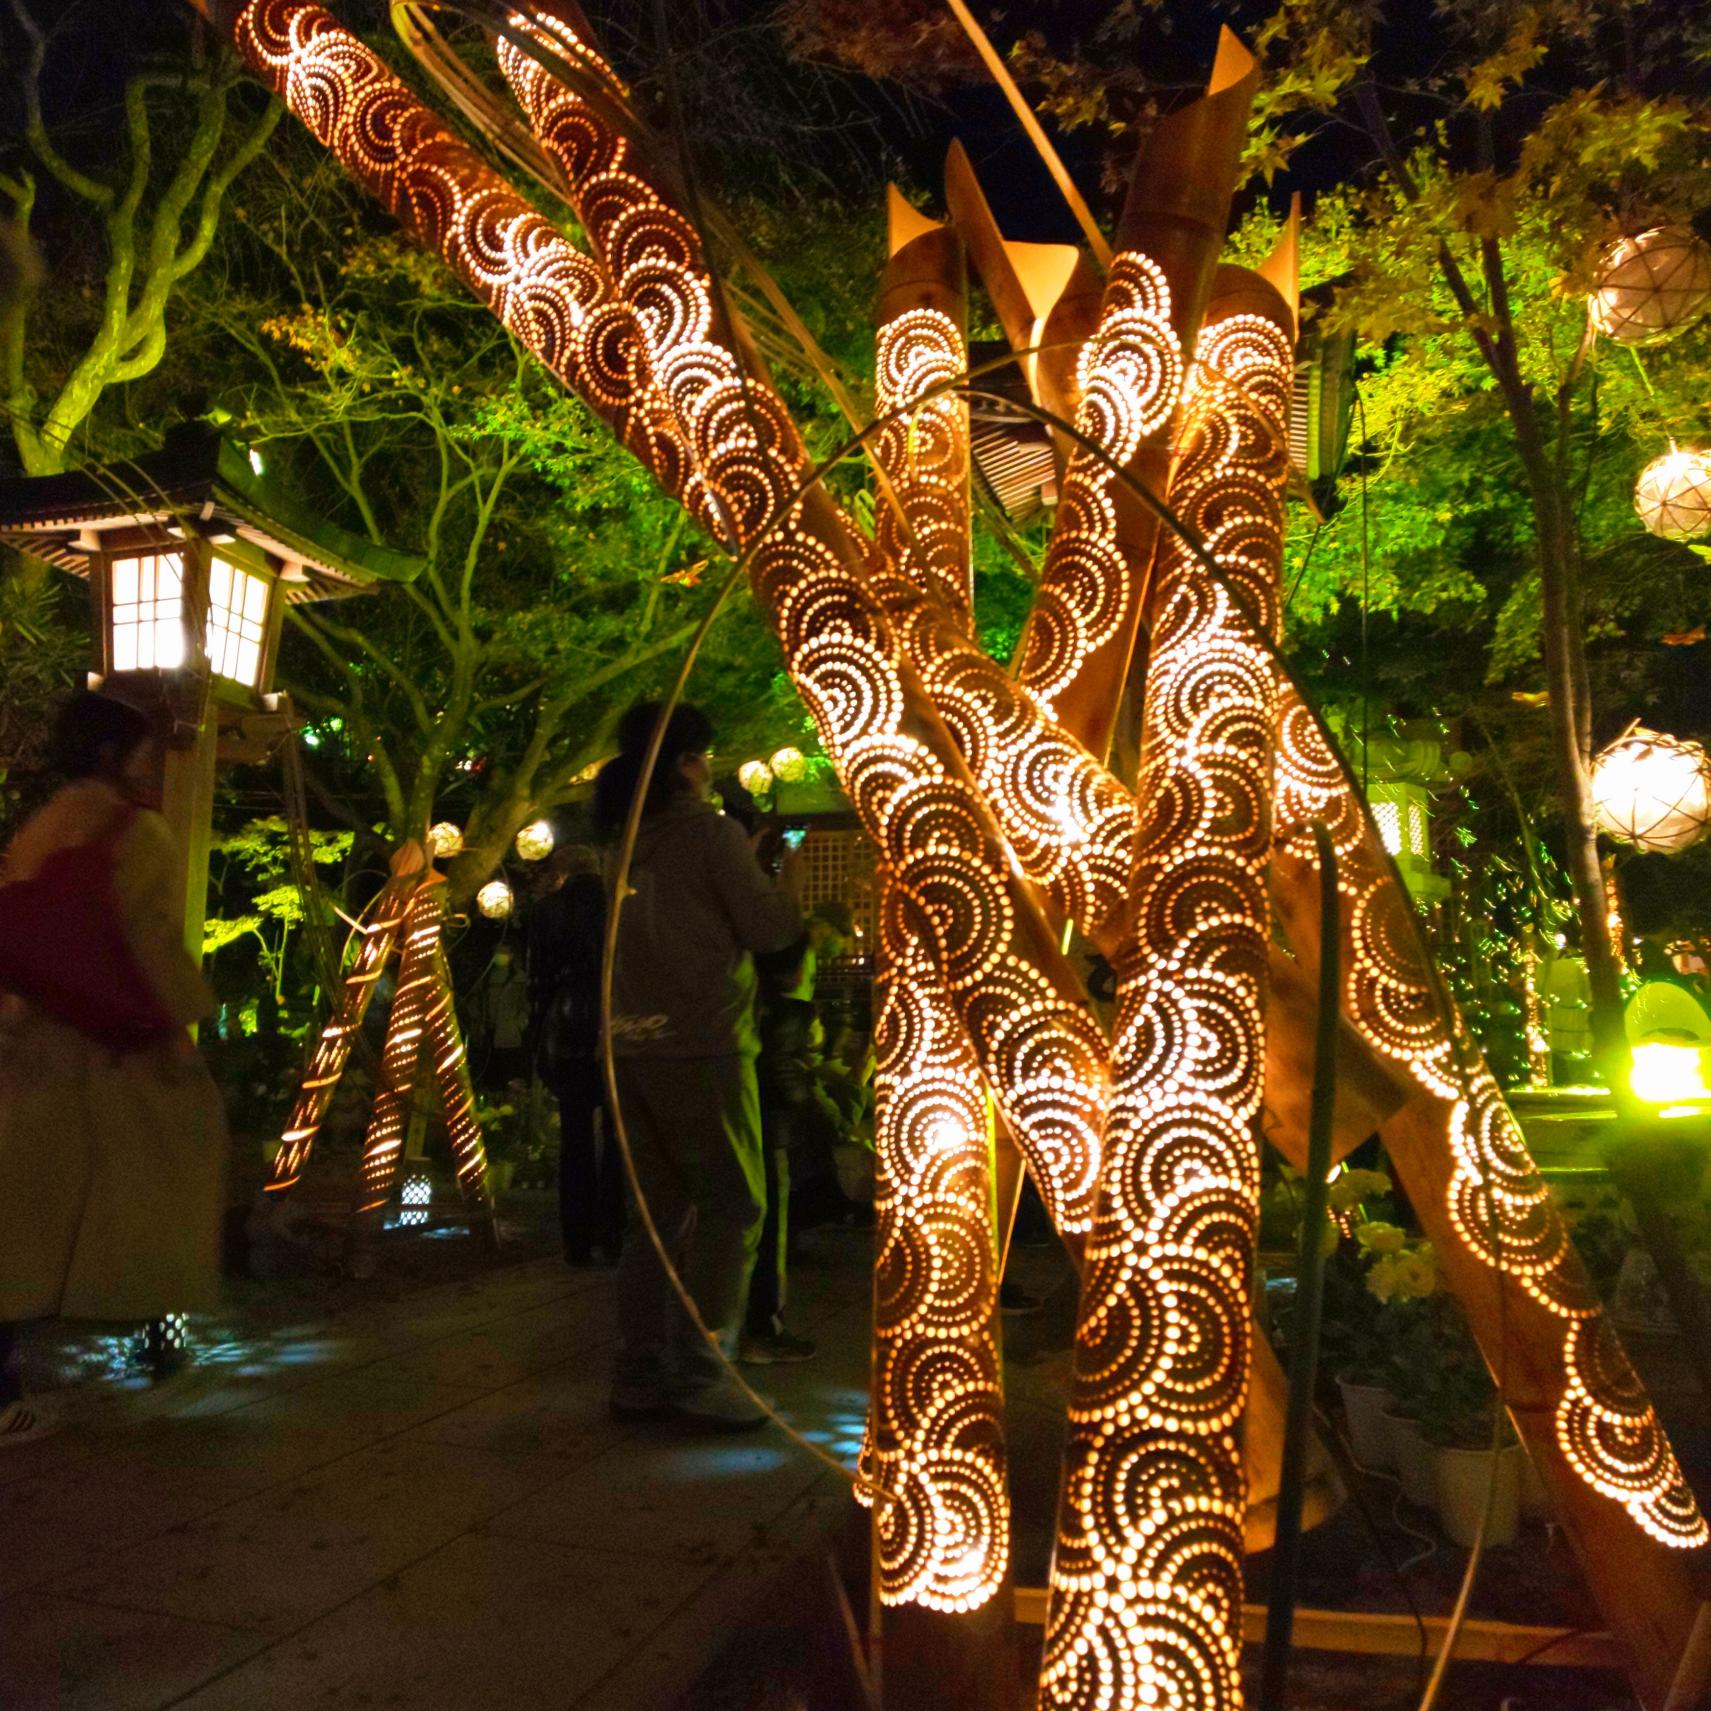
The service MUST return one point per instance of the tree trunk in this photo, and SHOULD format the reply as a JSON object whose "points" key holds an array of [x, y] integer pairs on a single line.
{"points": [[1570, 714]]}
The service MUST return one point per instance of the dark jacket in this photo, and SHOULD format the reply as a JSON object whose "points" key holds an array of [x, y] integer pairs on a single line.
{"points": [[566, 933], [683, 984]]}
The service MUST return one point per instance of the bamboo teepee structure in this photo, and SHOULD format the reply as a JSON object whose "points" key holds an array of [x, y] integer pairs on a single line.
{"points": [[406, 920], [1000, 814]]}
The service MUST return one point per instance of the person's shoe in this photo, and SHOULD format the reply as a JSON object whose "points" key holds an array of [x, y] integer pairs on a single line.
{"points": [[718, 1408], [21, 1424], [636, 1404], [1017, 1301], [773, 1348]]}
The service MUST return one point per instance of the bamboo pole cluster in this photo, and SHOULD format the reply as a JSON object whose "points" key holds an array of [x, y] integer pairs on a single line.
{"points": [[999, 819]]}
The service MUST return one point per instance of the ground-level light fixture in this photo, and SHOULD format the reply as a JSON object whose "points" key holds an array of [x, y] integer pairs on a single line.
{"points": [[1652, 791], [1669, 1075], [535, 841]]}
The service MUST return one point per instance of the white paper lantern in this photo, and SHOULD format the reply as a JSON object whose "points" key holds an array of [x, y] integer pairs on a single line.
{"points": [[445, 839], [1651, 285], [1652, 791], [789, 766], [535, 842], [494, 900], [1673, 494], [755, 776]]}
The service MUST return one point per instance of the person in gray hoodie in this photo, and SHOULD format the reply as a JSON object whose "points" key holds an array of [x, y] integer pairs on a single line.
{"points": [[696, 908]]}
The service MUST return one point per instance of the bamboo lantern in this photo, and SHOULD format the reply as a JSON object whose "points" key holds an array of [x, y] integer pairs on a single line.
{"points": [[535, 842], [444, 839], [789, 766], [494, 900], [1652, 791], [1651, 285], [1673, 494], [755, 776]]}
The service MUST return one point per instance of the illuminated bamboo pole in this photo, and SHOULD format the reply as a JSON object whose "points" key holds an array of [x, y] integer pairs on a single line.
{"points": [[937, 1423], [1040, 295], [333, 1049], [1080, 634], [1146, 1590], [1015, 991], [383, 1146], [444, 1039], [1584, 1416]]}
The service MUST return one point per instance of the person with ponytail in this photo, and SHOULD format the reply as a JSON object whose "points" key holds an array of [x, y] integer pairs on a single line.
{"points": [[112, 1134], [696, 909]]}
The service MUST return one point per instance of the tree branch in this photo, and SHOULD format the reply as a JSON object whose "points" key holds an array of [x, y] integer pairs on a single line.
{"points": [[80, 184]]}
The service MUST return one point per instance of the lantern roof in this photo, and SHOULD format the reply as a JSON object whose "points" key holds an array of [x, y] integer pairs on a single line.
{"points": [[198, 482]]}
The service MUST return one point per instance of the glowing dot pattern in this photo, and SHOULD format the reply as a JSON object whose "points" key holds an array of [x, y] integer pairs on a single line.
{"points": [[1147, 1578], [1069, 822], [925, 454], [444, 1039], [333, 1049], [383, 1146], [1129, 376], [725, 445], [422, 1018], [1496, 1201], [553, 298], [1040, 1048], [936, 1434]]}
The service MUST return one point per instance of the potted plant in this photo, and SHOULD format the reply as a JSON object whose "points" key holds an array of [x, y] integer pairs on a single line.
{"points": [[499, 1135], [1475, 1457], [1402, 1275], [1356, 1333], [1357, 1351]]}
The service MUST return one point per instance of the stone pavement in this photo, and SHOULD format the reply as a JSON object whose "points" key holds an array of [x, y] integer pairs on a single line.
{"points": [[425, 1505]]}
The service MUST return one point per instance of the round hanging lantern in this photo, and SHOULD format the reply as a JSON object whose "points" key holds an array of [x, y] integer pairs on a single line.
{"points": [[1651, 285], [789, 766], [494, 900], [755, 776], [1673, 494], [1652, 791], [535, 842], [445, 839]]}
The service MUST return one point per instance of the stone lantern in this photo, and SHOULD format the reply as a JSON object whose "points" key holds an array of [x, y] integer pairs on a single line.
{"points": [[192, 555]]}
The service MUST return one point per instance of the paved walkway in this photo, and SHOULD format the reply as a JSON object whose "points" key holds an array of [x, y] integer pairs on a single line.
{"points": [[426, 1508]]}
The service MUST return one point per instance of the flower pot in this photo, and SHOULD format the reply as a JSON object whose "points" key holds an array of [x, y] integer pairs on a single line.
{"points": [[1461, 1478], [1411, 1456], [1369, 1438]]}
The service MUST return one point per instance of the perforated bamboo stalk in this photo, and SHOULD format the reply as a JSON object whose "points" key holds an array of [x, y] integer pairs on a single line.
{"points": [[1146, 1588], [828, 627], [937, 1420], [642, 338], [383, 1145], [1126, 392], [1585, 1418], [333, 1049]]}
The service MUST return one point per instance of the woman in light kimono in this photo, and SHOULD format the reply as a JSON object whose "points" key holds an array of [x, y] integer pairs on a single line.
{"points": [[112, 1161]]}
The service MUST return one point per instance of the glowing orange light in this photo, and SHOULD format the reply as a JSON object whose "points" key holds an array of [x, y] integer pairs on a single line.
{"points": [[1147, 1578]]}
